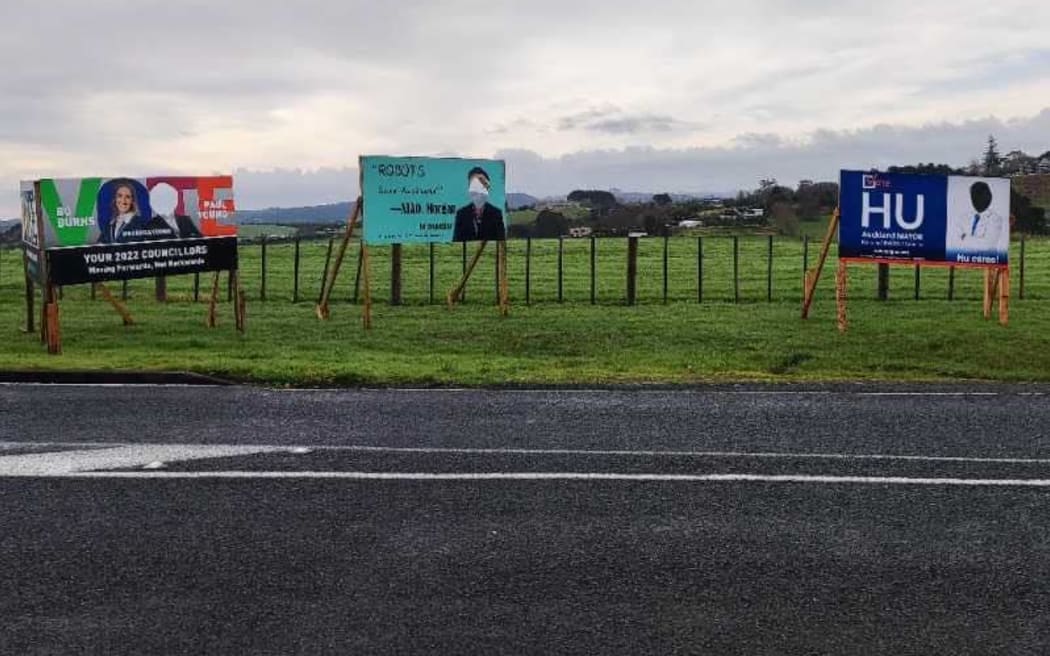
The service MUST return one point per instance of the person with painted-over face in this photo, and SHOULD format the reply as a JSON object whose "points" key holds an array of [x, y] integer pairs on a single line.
{"points": [[480, 220]]}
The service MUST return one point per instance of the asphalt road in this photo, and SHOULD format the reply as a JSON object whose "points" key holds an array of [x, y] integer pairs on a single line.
{"points": [[851, 519]]}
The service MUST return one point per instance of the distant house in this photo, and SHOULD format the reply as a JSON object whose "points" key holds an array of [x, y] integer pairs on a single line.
{"points": [[582, 231], [690, 223]]}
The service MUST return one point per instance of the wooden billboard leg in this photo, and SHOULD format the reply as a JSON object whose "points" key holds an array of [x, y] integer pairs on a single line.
{"points": [[117, 304], [504, 281], [840, 296], [54, 331], [366, 271], [456, 293], [210, 320], [322, 309], [1004, 296], [30, 301], [44, 300], [812, 278], [987, 306]]}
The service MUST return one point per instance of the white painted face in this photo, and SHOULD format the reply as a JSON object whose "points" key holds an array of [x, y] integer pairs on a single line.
{"points": [[479, 193], [164, 199]]}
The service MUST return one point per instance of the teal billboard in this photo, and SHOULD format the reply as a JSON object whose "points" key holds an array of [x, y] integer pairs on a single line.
{"points": [[433, 200]]}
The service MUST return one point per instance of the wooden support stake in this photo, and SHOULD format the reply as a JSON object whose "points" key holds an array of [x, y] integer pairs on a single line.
{"points": [[54, 330], [118, 305], [988, 273], [357, 277], [1004, 296], [210, 320], [329, 281], [840, 296], [455, 295], [812, 280]]}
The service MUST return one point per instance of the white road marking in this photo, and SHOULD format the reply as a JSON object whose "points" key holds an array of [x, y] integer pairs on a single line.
{"points": [[298, 449], [927, 393], [57, 463], [97, 461], [564, 476], [660, 453]]}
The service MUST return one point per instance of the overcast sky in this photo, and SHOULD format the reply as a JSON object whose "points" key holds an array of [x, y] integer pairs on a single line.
{"points": [[653, 96]]}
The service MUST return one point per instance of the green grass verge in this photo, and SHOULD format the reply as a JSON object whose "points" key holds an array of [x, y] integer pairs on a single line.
{"points": [[569, 343]]}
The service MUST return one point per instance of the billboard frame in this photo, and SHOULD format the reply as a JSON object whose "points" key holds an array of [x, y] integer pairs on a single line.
{"points": [[50, 315], [996, 276], [455, 295]]}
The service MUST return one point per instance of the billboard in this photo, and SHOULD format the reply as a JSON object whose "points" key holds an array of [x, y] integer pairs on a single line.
{"points": [[97, 229], [924, 218], [30, 230], [433, 200]]}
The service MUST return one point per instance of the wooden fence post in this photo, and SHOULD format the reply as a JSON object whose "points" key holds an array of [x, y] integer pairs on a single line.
{"points": [[736, 269], [769, 273], [632, 269], [666, 247], [295, 274], [594, 270], [1020, 283], [262, 268], [528, 271], [561, 268], [431, 277], [395, 274], [699, 269]]}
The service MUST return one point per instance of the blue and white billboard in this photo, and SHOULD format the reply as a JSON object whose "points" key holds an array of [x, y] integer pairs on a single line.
{"points": [[896, 216], [426, 199]]}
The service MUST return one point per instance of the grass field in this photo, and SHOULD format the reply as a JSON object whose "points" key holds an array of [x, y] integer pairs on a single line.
{"points": [[547, 342]]}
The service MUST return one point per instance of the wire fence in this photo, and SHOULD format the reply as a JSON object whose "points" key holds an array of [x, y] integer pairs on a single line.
{"points": [[716, 269]]}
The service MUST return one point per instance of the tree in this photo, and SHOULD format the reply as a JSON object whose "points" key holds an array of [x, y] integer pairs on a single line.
{"points": [[550, 224], [662, 199], [1029, 219], [519, 231], [992, 161], [785, 219], [926, 169]]}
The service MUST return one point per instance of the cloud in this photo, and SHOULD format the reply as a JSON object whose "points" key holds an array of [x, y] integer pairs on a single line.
{"points": [[118, 87], [614, 121]]}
